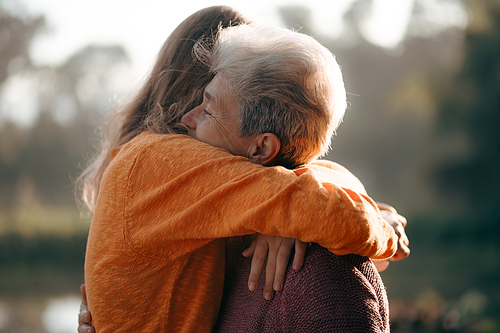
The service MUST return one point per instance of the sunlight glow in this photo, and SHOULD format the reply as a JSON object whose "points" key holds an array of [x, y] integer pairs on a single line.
{"points": [[387, 24], [142, 26], [18, 100], [60, 316]]}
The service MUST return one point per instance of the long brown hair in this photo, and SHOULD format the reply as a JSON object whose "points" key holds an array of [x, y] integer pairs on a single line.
{"points": [[173, 88]]}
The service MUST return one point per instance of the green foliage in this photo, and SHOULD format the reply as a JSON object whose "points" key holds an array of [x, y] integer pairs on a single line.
{"points": [[48, 155], [16, 34], [43, 250], [471, 106], [42, 156]]}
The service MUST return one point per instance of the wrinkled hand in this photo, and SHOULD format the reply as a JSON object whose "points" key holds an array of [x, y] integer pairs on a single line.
{"points": [[398, 223], [84, 317], [277, 250]]}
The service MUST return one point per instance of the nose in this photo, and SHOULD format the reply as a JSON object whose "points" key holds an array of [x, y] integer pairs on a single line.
{"points": [[190, 118]]}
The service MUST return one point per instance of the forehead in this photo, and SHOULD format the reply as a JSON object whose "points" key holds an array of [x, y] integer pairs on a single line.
{"points": [[220, 96]]}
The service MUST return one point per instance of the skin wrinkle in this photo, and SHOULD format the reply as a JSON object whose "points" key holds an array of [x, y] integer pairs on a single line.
{"points": [[215, 122]]}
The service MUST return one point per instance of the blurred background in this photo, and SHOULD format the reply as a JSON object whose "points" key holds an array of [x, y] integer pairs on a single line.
{"points": [[422, 132]]}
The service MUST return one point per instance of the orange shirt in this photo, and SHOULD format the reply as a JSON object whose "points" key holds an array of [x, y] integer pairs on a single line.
{"points": [[155, 252]]}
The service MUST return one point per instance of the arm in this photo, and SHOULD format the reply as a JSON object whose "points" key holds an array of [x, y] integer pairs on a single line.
{"points": [[283, 246], [277, 251], [389, 213], [220, 195]]}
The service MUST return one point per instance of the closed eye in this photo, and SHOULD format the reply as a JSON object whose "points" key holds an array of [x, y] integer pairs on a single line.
{"points": [[206, 112]]}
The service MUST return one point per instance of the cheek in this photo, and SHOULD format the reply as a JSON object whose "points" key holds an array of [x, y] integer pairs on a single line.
{"points": [[205, 131], [216, 135]]}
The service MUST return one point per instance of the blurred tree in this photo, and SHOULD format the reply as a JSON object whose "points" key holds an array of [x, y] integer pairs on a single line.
{"points": [[69, 100], [16, 34], [82, 89], [72, 98], [469, 119]]}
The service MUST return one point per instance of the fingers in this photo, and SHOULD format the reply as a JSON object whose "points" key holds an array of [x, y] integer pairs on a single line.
{"points": [[402, 220], [398, 223], [84, 294], [300, 253], [403, 241], [402, 252], [403, 248], [277, 250], [84, 316], [283, 256], [383, 206], [85, 329], [251, 249], [259, 256], [391, 218], [84, 319], [270, 271]]}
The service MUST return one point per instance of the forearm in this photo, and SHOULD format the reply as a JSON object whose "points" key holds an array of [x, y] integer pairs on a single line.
{"points": [[339, 219], [186, 190]]}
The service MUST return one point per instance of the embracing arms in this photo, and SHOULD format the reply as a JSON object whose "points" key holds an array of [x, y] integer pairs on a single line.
{"points": [[190, 191]]}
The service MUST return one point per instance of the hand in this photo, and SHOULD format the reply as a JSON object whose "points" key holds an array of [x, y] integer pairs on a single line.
{"points": [[398, 222], [84, 317], [277, 250]]}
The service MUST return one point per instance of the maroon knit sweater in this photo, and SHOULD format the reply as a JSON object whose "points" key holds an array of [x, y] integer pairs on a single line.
{"points": [[330, 293]]}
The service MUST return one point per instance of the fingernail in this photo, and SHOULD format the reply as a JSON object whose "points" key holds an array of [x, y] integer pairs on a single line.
{"points": [[268, 296], [277, 286], [252, 286], [296, 266]]}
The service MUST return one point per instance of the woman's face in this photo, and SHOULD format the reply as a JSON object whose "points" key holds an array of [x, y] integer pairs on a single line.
{"points": [[215, 121]]}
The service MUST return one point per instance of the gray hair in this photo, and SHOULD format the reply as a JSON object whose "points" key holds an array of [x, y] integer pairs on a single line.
{"points": [[285, 82]]}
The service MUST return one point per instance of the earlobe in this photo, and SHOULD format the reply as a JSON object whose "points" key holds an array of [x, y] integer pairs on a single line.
{"points": [[265, 148]]}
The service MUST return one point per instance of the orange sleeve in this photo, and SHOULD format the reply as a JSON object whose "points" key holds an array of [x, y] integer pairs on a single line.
{"points": [[328, 172], [191, 193]]}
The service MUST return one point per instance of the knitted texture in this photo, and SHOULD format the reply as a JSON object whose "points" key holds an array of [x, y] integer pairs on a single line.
{"points": [[330, 293]]}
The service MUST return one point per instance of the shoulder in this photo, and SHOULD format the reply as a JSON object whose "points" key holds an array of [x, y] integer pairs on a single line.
{"points": [[162, 143], [331, 293], [334, 172], [335, 294], [335, 274], [150, 150]]}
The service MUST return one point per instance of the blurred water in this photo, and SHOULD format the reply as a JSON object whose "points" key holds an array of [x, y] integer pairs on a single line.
{"points": [[40, 314], [4, 317], [60, 315]]}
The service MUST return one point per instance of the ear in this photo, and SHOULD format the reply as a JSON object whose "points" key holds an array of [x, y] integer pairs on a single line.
{"points": [[264, 149]]}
